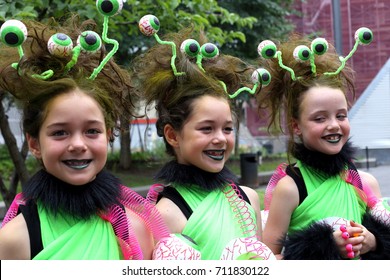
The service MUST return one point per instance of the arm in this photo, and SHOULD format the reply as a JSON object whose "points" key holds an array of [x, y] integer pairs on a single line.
{"points": [[255, 202], [143, 235], [15, 240], [284, 200], [371, 182], [172, 215]]}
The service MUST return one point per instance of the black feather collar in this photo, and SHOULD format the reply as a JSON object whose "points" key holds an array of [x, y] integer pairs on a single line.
{"points": [[329, 164], [173, 172]]}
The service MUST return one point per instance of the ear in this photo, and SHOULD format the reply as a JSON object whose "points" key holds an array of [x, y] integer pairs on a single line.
{"points": [[34, 147], [171, 135], [295, 127]]}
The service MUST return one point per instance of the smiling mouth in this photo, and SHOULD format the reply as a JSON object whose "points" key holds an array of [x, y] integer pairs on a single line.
{"points": [[215, 154], [334, 138], [77, 164]]}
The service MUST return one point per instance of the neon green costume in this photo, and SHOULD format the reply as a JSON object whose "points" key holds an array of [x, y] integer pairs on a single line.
{"points": [[321, 189]]}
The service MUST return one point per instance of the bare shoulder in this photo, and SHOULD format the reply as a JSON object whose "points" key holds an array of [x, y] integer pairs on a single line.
{"points": [[15, 240], [144, 236], [369, 180], [172, 215], [251, 193]]}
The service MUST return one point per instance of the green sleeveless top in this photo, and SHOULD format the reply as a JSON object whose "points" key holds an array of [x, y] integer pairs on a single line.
{"points": [[326, 197], [215, 221], [64, 237]]}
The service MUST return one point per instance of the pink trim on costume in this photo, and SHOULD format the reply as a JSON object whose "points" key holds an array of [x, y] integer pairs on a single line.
{"points": [[12, 211], [279, 173]]}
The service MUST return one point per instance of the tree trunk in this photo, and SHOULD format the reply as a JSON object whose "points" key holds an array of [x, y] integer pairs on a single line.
{"points": [[125, 145], [16, 157]]}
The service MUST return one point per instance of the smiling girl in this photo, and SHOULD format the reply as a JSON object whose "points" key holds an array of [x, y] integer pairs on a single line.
{"points": [[318, 204], [72, 208], [198, 197]]}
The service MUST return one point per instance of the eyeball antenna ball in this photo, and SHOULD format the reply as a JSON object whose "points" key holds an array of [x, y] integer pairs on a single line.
{"points": [[149, 25], [109, 7], [60, 45], [319, 46], [89, 41], [266, 49], [262, 76], [190, 47], [209, 51], [302, 53], [364, 36], [13, 33]]}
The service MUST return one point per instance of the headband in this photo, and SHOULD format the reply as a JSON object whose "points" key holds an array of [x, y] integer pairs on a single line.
{"points": [[13, 33], [149, 25], [267, 49]]}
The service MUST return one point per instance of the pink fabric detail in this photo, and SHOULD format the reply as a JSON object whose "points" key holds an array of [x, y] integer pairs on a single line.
{"points": [[279, 173], [13, 209], [363, 189], [153, 193]]}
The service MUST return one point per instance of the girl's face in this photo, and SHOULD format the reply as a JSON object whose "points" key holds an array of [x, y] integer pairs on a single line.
{"points": [[207, 138], [73, 139], [323, 123]]}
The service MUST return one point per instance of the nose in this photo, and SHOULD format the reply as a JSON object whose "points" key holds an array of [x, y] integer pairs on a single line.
{"points": [[219, 137], [333, 124], [77, 144]]}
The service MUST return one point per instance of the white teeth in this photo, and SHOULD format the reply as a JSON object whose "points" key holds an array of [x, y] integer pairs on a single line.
{"points": [[333, 138], [77, 164]]}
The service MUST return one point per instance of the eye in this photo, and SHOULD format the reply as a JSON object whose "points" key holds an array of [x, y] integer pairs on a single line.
{"points": [[58, 133], [93, 131], [266, 49], [190, 47], [89, 41], [13, 33], [319, 46], [60, 45], [261, 75], [364, 36], [341, 116], [206, 129], [149, 25], [302, 53], [109, 7], [228, 129], [209, 51]]}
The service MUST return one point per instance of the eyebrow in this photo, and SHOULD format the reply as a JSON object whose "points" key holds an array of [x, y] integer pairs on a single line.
{"points": [[90, 122]]}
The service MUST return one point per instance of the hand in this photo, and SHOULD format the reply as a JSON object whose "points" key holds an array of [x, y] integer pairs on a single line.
{"points": [[349, 240], [369, 241]]}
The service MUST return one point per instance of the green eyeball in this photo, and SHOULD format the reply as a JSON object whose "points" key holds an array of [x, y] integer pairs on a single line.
{"points": [[364, 36], [266, 49], [302, 53], [13, 33], [209, 50], [60, 45], [261, 75], [109, 7], [149, 25], [89, 41], [319, 46], [190, 47]]}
